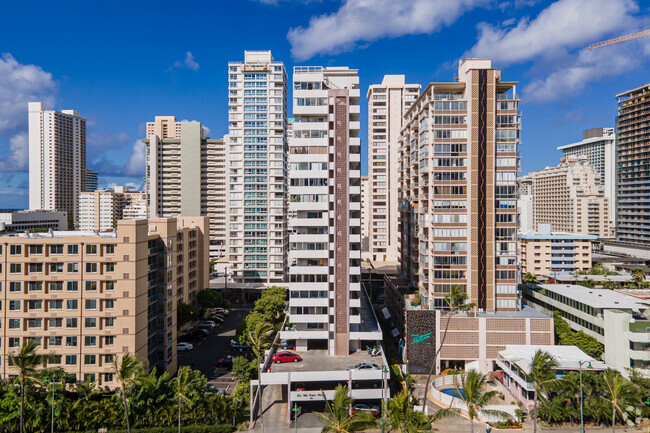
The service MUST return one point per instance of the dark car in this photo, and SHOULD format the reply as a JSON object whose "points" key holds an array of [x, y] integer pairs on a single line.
{"points": [[225, 361]]}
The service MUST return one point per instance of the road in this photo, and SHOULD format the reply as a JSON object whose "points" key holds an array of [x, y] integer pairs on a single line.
{"points": [[205, 353]]}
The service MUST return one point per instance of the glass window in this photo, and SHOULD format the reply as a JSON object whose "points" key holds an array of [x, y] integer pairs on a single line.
{"points": [[90, 340], [14, 305], [91, 286], [90, 359], [71, 341], [110, 249], [73, 267], [14, 323], [91, 249], [91, 304], [15, 286], [109, 303], [56, 249], [56, 322], [71, 360], [91, 267], [15, 268], [90, 322], [109, 267], [73, 249], [36, 249], [73, 286], [71, 322], [109, 321], [108, 340], [16, 250], [14, 341]]}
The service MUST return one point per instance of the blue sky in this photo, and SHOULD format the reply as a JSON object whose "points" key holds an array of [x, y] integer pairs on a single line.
{"points": [[122, 63]]}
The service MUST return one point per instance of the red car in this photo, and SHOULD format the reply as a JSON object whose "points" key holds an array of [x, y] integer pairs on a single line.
{"points": [[286, 357]]}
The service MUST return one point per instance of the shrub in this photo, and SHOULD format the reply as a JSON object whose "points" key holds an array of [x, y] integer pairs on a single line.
{"points": [[186, 429]]}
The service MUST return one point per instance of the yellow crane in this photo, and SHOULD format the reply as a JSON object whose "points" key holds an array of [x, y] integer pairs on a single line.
{"points": [[619, 39]]}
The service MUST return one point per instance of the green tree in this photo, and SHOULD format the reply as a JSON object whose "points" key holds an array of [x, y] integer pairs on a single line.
{"points": [[243, 369], [620, 392], [457, 301], [529, 278], [416, 298], [472, 387], [337, 416], [186, 313], [566, 336], [128, 372], [638, 277], [26, 362], [542, 375], [402, 415], [261, 340], [186, 385], [210, 298]]}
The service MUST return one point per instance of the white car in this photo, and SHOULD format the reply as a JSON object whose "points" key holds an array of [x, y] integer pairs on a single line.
{"points": [[184, 347]]}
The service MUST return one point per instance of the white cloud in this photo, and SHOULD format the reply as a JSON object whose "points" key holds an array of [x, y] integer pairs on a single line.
{"points": [[138, 160], [563, 25], [187, 63], [19, 158], [20, 84], [368, 20]]}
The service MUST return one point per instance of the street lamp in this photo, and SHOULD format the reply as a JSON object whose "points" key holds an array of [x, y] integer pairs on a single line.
{"points": [[295, 416], [582, 420], [384, 370]]}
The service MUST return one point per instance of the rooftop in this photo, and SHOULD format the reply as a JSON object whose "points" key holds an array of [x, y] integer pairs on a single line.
{"points": [[567, 276], [61, 234], [567, 357], [320, 360], [532, 234], [596, 298], [525, 313]]}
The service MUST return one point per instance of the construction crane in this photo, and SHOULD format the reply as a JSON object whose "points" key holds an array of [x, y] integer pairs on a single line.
{"points": [[619, 39]]}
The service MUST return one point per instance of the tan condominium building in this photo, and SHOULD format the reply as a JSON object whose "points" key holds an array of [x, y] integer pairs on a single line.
{"points": [[546, 253], [632, 160], [57, 159], [458, 192], [186, 175], [365, 220], [101, 210], [570, 198], [387, 103], [88, 297]]}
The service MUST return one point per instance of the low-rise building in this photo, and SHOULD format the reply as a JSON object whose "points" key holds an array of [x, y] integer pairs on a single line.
{"points": [[545, 252], [515, 364], [86, 297], [26, 220], [618, 321], [101, 210]]}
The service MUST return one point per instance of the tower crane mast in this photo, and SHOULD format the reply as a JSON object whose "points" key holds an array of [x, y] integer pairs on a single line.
{"points": [[619, 39]]}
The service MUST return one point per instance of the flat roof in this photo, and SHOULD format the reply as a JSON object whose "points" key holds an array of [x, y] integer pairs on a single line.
{"points": [[597, 278], [596, 298], [531, 234], [587, 141], [61, 234], [567, 357], [321, 360], [525, 313]]}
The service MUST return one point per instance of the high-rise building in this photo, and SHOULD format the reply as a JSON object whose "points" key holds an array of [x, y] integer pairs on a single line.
{"points": [[186, 175], [92, 179], [26, 220], [570, 198], [257, 170], [57, 159], [325, 212], [88, 297], [459, 163], [101, 210], [633, 167], [387, 103], [365, 219], [598, 146]]}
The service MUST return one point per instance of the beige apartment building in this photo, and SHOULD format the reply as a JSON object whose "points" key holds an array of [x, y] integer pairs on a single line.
{"points": [[186, 175], [101, 210], [458, 193], [545, 253], [88, 297], [570, 198], [365, 218], [387, 103]]}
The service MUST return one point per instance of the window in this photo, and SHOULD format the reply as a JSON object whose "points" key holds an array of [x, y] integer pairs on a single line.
{"points": [[91, 249], [15, 286], [109, 267], [108, 340], [73, 249], [108, 359], [34, 323], [108, 377], [54, 341], [109, 321], [56, 304], [90, 341], [35, 304], [109, 303], [71, 322], [36, 249], [91, 286], [89, 377], [72, 304], [54, 359], [35, 286], [14, 341], [91, 267], [14, 305], [91, 304], [56, 267], [71, 360], [109, 249], [73, 267], [71, 341], [35, 268], [90, 322], [14, 323], [90, 359], [56, 249], [55, 322], [109, 285], [15, 268], [73, 286], [55, 286], [16, 250]]}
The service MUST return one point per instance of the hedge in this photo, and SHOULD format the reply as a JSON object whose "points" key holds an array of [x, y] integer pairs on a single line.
{"points": [[184, 429]]}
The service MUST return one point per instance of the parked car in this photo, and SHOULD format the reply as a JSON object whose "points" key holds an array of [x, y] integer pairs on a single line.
{"points": [[288, 345], [218, 310], [236, 346], [225, 361], [196, 335], [218, 391], [364, 366], [208, 324], [216, 318], [281, 357], [218, 372], [361, 407], [184, 347]]}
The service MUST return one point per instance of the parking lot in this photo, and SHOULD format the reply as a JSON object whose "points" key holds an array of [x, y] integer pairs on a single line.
{"points": [[217, 345]]}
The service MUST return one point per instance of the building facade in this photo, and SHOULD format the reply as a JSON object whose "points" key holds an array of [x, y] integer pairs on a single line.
{"points": [[325, 211], [88, 297], [599, 147], [458, 191], [186, 175], [57, 159], [545, 253], [570, 198], [92, 179], [632, 167], [101, 210], [26, 220], [387, 103], [257, 172], [365, 218]]}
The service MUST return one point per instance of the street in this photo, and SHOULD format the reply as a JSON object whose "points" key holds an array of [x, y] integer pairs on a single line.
{"points": [[205, 353]]}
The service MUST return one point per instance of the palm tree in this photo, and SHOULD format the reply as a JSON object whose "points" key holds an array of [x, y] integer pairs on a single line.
{"points": [[127, 373], [260, 339], [186, 384], [620, 392], [457, 301], [542, 375], [529, 278], [638, 277], [26, 363], [471, 387], [402, 415], [337, 416]]}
